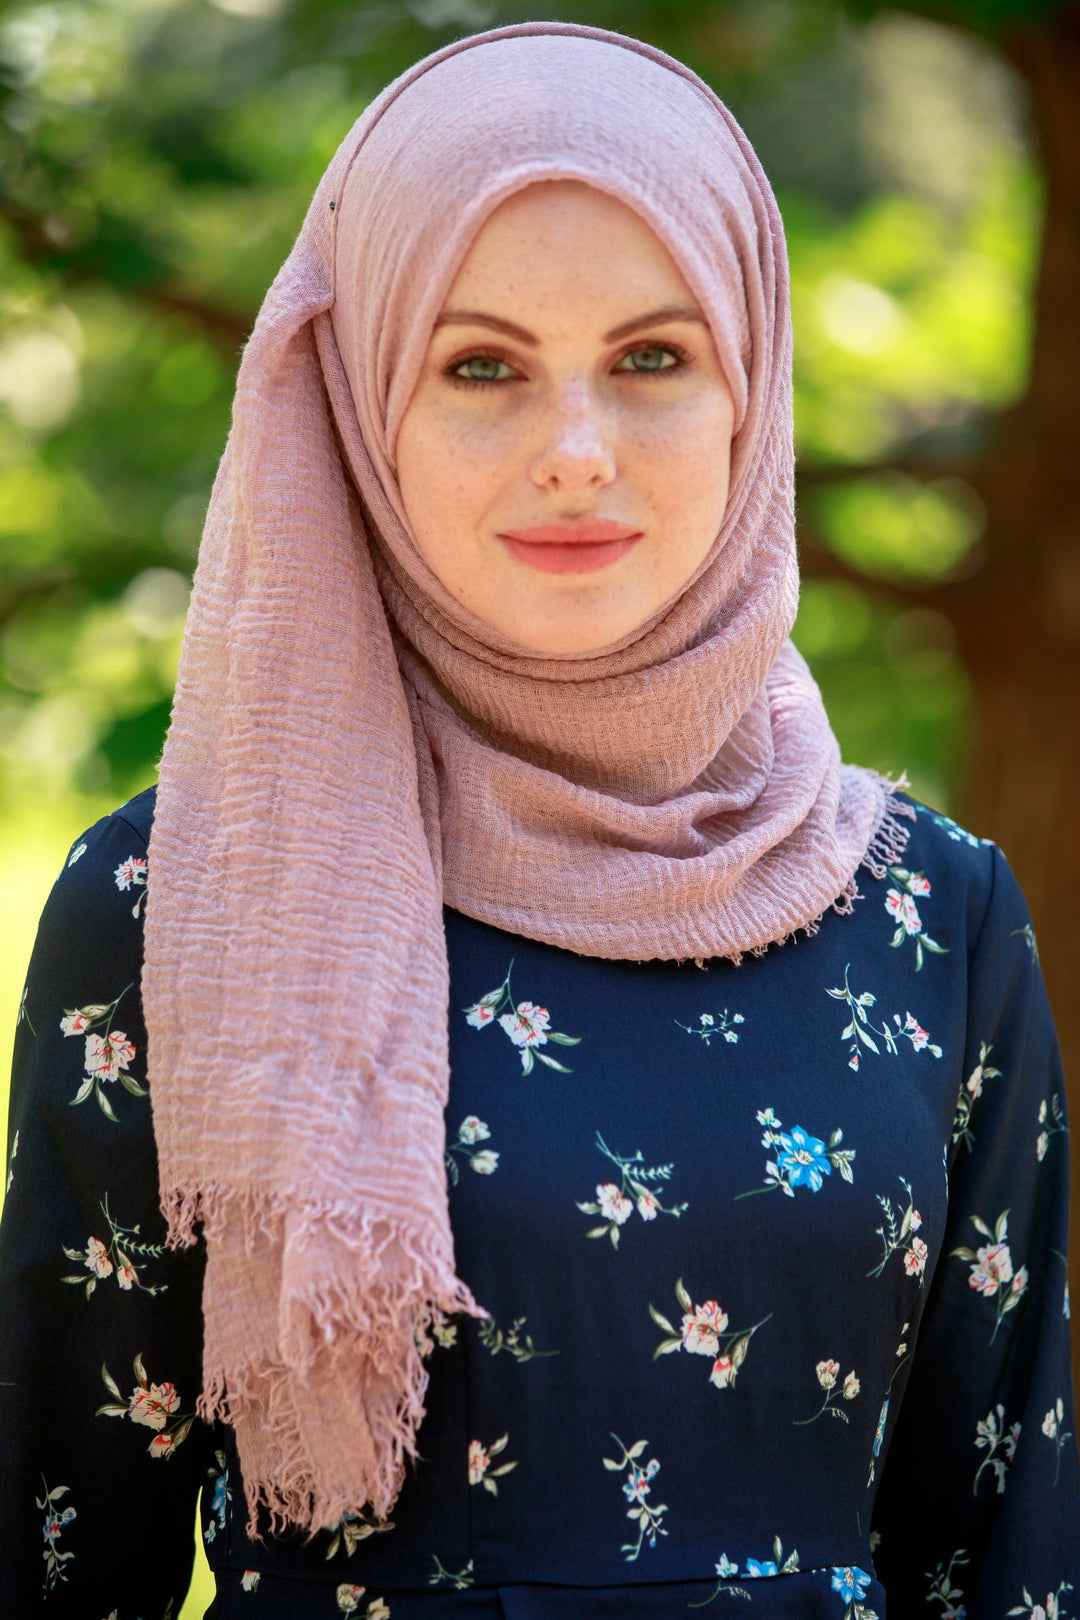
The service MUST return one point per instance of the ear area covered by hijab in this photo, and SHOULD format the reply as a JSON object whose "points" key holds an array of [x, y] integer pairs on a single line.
{"points": [[350, 749]]}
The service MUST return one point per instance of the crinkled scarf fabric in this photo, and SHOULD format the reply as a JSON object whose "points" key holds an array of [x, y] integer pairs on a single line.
{"points": [[350, 748]]}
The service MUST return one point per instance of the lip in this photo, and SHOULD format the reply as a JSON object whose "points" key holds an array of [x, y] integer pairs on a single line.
{"points": [[579, 547], [572, 532]]}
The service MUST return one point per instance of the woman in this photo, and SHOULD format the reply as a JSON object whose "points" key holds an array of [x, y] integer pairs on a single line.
{"points": [[570, 1249]]}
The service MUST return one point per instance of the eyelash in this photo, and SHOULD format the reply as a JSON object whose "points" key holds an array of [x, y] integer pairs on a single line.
{"points": [[451, 373]]}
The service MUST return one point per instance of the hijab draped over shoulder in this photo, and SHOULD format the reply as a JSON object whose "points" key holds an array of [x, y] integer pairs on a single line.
{"points": [[350, 748]]}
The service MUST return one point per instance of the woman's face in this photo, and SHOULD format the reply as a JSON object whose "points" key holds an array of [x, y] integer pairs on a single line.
{"points": [[564, 459]]}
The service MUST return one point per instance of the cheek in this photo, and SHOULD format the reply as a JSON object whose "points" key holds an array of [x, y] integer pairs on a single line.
{"points": [[683, 458], [451, 466]]}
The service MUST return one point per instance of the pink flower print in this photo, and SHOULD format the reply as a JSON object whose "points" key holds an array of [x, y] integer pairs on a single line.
{"points": [[918, 1036], [1011, 1442], [472, 1130], [97, 1258], [249, 1580], [914, 1221], [107, 1055], [614, 1205], [991, 1269], [647, 1206], [1020, 1281], [478, 1462], [480, 1015], [904, 909], [701, 1330], [74, 1023], [153, 1404], [918, 884], [527, 1024], [126, 1277], [130, 872], [348, 1597], [723, 1372], [915, 1258], [827, 1373], [162, 1445]]}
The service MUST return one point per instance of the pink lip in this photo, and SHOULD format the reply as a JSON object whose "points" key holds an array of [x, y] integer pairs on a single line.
{"points": [[570, 548]]}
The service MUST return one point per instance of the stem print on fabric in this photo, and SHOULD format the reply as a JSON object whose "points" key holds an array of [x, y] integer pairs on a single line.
{"points": [[722, 1023], [992, 1273], [526, 1024], [350, 1597], [859, 1031], [107, 1055], [852, 1583], [1027, 934], [802, 1160], [122, 1257], [220, 1497], [999, 1444], [958, 834], [153, 1405], [1050, 1610], [495, 1340], [900, 904], [350, 1530], [459, 1580], [11, 1162], [55, 1520], [828, 1372], [727, 1569], [480, 1469], [970, 1091], [637, 1488], [704, 1332], [897, 1231], [131, 874], [941, 1589], [616, 1203], [1050, 1109], [469, 1132], [23, 1014], [902, 1356], [1053, 1426]]}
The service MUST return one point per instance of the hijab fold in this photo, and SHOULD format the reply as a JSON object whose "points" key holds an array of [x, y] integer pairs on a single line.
{"points": [[351, 748]]}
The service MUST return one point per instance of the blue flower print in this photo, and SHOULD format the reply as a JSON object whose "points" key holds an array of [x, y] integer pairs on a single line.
{"points": [[755, 1567], [801, 1160], [850, 1583]]}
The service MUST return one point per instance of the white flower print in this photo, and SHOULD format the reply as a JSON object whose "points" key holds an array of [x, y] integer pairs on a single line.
{"points": [[704, 1332], [1052, 1120], [708, 1026], [123, 1257], [151, 1405], [1050, 1610], [1053, 1426], [637, 1488], [76, 854], [900, 904], [999, 1443], [861, 1032], [527, 1025], [55, 1520], [107, 1055], [992, 1274], [472, 1130], [636, 1189], [249, 1580], [970, 1091], [898, 1232], [132, 874], [482, 1160], [480, 1460], [349, 1598], [828, 1374]]}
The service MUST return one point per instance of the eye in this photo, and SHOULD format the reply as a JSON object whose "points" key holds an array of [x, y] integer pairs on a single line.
{"points": [[482, 368], [651, 357]]}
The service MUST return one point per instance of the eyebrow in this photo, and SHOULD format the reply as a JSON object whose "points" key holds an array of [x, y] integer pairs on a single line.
{"points": [[655, 317]]}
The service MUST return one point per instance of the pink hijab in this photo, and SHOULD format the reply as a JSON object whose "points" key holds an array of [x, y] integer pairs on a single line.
{"points": [[350, 748]]}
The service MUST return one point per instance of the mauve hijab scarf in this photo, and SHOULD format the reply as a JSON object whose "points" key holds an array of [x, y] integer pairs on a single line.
{"points": [[350, 748]]}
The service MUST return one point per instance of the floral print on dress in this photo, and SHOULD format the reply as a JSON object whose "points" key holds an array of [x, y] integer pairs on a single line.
{"points": [[153, 1405], [350, 1530], [754, 1569], [1053, 1426], [970, 1092], [992, 1274], [131, 874], [249, 1580], [852, 1584], [999, 1442], [705, 1332], [11, 1162], [615, 1203], [106, 1056], [1027, 934], [480, 1460], [56, 1519], [460, 1580], [527, 1025], [1052, 1120], [898, 1233], [349, 1599], [723, 1023], [1050, 1610], [482, 1160], [801, 1160], [217, 1475], [828, 1376], [861, 1032], [637, 1488], [494, 1340], [942, 1591], [901, 905], [123, 1257]]}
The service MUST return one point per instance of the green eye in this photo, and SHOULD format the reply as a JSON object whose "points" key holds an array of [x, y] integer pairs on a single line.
{"points": [[483, 368], [650, 358]]}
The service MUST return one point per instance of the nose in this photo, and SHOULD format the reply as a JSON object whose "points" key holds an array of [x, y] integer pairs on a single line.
{"points": [[577, 454]]}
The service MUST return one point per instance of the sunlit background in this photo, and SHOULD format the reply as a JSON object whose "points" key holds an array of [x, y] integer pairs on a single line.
{"points": [[157, 158]]}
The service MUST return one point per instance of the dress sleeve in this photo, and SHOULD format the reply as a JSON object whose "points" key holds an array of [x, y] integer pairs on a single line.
{"points": [[979, 1509], [101, 1456]]}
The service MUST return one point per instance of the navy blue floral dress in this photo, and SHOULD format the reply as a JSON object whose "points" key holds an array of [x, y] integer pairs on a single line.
{"points": [[774, 1256]]}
